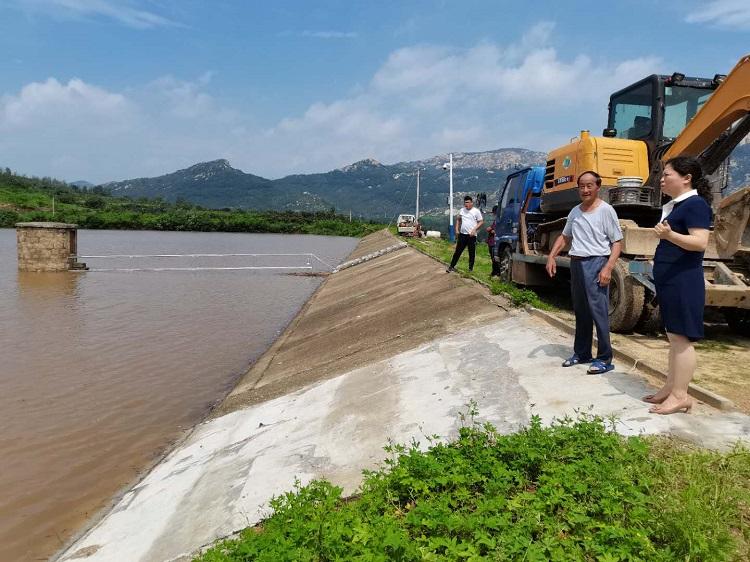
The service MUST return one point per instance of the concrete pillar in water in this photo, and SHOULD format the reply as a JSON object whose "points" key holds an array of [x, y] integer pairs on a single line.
{"points": [[47, 246]]}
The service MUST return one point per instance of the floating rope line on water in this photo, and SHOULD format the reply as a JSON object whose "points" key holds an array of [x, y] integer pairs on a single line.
{"points": [[192, 255], [128, 269], [309, 256]]}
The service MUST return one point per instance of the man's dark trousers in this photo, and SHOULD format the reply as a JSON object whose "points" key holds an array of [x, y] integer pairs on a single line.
{"points": [[495, 265], [464, 240], [591, 306]]}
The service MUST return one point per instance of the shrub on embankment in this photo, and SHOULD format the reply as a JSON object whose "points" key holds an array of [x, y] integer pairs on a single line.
{"points": [[575, 491], [32, 199]]}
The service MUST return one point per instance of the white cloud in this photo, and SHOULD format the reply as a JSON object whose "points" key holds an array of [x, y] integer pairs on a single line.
{"points": [[730, 14], [78, 130], [119, 10], [423, 100], [75, 103], [183, 99], [523, 73]]}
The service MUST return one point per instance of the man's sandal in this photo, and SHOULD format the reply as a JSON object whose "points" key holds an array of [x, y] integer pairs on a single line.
{"points": [[599, 367], [574, 360]]}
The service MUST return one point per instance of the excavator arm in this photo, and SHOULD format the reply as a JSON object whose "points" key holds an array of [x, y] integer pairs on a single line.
{"points": [[709, 131]]}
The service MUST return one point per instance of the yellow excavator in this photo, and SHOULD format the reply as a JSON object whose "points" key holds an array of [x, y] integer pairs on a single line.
{"points": [[650, 121]]}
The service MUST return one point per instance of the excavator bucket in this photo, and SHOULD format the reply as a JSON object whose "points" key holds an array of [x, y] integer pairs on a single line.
{"points": [[731, 224]]}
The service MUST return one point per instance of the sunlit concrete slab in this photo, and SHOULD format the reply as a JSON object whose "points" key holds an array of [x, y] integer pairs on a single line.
{"points": [[221, 478]]}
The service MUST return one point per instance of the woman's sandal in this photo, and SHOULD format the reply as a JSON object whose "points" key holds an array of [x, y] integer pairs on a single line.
{"points": [[574, 360], [599, 367]]}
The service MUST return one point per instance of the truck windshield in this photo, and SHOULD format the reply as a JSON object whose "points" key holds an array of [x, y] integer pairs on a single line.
{"points": [[681, 103]]}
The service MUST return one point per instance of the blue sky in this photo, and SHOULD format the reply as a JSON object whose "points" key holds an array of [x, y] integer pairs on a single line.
{"points": [[113, 89]]}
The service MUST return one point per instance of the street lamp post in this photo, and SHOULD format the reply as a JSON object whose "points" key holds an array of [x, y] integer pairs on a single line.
{"points": [[451, 229]]}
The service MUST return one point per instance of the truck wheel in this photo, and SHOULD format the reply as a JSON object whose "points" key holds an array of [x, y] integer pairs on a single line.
{"points": [[626, 297], [650, 320], [505, 265], [738, 320]]}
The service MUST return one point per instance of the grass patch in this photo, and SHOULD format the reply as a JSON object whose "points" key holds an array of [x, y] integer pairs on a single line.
{"points": [[575, 491], [712, 345], [443, 251]]}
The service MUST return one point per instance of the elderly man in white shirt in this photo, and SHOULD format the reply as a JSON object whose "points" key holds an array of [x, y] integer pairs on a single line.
{"points": [[468, 222], [595, 236]]}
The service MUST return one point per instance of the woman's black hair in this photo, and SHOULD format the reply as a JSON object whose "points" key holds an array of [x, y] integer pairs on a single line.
{"points": [[685, 165]]}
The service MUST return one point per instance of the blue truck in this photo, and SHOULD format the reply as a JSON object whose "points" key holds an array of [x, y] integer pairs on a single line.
{"points": [[518, 186]]}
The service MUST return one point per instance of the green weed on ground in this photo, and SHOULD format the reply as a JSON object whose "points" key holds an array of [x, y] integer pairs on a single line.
{"points": [[713, 345], [443, 251], [575, 491]]}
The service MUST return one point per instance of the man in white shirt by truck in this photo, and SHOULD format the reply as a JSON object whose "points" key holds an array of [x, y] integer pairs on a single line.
{"points": [[468, 222], [594, 233]]}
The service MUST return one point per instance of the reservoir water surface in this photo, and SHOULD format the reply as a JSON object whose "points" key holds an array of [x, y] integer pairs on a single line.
{"points": [[100, 371]]}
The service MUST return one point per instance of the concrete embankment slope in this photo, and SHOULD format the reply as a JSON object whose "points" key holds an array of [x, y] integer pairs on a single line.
{"points": [[391, 349], [362, 314]]}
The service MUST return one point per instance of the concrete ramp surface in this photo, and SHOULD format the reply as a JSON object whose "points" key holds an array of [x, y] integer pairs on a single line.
{"points": [[221, 478]]}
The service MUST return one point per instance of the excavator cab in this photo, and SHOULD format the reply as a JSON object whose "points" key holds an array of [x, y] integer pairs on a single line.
{"points": [[657, 109]]}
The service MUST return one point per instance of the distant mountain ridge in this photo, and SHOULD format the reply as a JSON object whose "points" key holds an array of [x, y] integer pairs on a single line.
{"points": [[366, 188]]}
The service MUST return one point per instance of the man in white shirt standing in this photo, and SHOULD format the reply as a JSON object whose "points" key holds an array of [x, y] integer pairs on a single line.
{"points": [[468, 222], [594, 233]]}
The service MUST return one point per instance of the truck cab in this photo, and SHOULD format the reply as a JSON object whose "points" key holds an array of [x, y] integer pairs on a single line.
{"points": [[510, 204]]}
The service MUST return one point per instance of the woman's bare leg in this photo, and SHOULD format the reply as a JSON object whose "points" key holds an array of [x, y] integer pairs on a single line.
{"points": [[684, 364], [661, 395]]}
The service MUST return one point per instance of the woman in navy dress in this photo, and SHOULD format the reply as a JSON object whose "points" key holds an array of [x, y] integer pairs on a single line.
{"points": [[678, 276]]}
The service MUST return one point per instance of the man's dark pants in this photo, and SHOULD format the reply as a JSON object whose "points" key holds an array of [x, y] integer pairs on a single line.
{"points": [[591, 306], [495, 265], [464, 240]]}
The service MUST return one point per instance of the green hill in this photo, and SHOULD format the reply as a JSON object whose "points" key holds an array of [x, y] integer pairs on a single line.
{"points": [[25, 199]]}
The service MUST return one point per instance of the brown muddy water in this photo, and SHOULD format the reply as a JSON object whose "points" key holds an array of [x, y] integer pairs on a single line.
{"points": [[100, 371]]}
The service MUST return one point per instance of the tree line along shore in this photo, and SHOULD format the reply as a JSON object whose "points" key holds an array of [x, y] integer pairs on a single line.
{"points": [[24, 199]]}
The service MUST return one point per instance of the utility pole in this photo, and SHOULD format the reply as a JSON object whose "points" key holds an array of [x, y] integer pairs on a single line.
{"points": [[451, 230], [417, 213]]}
